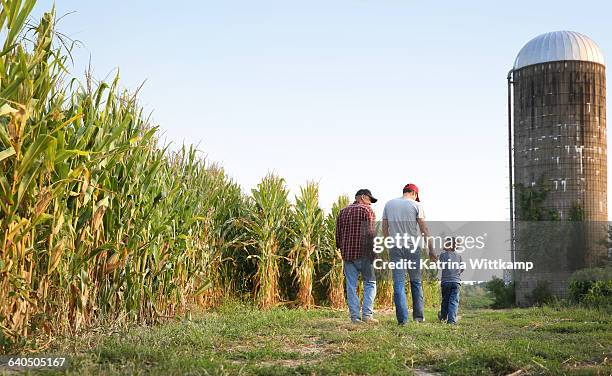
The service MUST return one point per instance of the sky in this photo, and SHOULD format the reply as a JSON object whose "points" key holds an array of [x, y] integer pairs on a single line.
{"points": [[350, 94]]}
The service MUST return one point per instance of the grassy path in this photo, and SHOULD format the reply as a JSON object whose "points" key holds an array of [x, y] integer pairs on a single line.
{"points": [[238, 339]]}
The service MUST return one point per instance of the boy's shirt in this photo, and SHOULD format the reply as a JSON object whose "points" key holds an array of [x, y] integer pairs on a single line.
{"points": [[450, 274]]}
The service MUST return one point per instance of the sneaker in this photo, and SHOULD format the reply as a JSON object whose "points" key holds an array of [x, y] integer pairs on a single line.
{"points": [[439, 315], [419, 320], [357, 321], [370, 320]]}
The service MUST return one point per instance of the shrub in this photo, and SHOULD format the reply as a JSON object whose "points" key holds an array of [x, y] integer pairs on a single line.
{"points": [[475, 296], [592, 287], [541, 295], [503, 295]]}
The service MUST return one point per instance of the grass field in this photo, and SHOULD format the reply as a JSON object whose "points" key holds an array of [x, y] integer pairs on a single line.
{"points": [[238, 339]]}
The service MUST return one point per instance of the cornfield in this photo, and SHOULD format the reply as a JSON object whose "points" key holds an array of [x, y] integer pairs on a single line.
{"points": [[100, 222]]}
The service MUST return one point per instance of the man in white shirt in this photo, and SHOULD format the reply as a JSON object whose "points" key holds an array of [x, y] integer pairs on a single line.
{"points": [[404, 218]]}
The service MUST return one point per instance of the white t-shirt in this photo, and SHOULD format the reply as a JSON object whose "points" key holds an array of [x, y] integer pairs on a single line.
{"points": [[401, 215]]}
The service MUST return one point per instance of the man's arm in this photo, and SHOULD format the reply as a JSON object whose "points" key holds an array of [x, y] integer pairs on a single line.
{"points": [[425, 233], [371, 223], [338, 232], [385, 223], [371, 233]]}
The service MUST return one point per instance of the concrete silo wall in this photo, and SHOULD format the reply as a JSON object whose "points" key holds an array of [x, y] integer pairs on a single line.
{"points": [[560, 142]]}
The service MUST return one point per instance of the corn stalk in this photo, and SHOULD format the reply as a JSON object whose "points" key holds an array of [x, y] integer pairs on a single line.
{"points": [[267, 227], [331, 260], [306, 233]]}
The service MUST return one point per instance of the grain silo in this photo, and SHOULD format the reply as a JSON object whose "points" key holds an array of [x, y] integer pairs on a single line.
{"points": [[559, 148]]}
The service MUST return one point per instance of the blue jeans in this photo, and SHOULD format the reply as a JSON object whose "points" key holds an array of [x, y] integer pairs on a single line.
{"points": [[351, 275], [399, 285], [450, 301]]}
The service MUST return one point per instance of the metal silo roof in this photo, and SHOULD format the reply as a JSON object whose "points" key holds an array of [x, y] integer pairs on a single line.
{"points": [[558, 46]]}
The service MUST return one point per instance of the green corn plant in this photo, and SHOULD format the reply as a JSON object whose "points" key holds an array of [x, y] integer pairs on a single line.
{"points": [[331, 260], [384, 278], [267, 228], [97, 220], [306, 233], [32, 155]]}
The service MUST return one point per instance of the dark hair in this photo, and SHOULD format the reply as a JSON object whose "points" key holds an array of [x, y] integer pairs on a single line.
{"points": [[406, 190]]}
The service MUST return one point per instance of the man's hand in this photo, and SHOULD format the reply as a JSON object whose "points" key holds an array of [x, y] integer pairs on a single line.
{"points": [[432, 255], [425, 234]]}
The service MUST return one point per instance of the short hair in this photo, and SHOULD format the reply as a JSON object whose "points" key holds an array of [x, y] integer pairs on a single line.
{"points": [[406, 190]]}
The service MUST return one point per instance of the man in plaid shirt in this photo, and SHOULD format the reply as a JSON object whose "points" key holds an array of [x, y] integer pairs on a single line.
{"points": [[355, 231]]}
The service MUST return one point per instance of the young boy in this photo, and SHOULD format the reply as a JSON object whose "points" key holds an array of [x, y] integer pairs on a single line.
{"points": [[450, 282]]}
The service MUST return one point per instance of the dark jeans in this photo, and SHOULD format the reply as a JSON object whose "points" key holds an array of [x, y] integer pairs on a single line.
{"points": [[450, 301]]}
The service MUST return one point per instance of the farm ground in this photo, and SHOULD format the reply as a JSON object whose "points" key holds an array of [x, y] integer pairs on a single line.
{"points": [[238, 339]]}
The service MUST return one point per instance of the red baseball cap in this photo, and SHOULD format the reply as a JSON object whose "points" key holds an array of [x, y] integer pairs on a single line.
{"points": [[413, 188]]}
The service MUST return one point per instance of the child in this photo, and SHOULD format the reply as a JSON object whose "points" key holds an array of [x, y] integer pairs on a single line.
{"points": [[450, 282]]}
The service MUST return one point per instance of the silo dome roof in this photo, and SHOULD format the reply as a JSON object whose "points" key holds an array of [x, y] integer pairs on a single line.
{"points": [[558, 46]]}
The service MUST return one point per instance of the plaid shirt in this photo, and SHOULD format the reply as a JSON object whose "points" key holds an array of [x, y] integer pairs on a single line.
{"points": [[355, 231]]}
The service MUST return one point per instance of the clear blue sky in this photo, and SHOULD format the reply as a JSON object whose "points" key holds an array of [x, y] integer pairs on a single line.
{"points": [[347, 93]]}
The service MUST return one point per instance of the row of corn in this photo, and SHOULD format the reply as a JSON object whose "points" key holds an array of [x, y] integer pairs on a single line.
{"points": [[99, 222]]}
